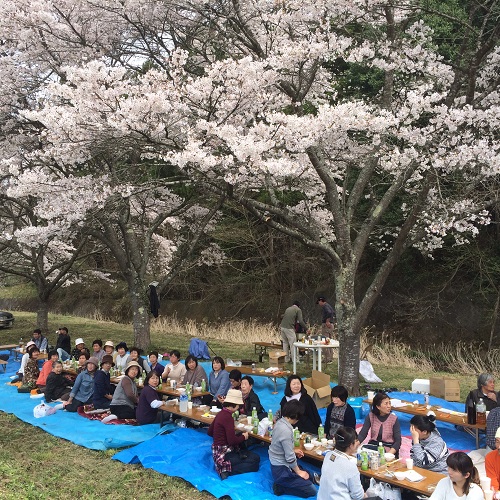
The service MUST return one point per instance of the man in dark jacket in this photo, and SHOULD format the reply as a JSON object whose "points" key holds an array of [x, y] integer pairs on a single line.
{"points": [[250, 399], [63, 344]]}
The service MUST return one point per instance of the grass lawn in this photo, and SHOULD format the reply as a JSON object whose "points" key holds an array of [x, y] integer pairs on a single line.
{"points": [[37, 465]]}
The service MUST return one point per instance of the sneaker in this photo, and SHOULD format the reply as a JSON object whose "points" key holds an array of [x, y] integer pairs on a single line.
{"points": [[277, 490], [315, 479]]}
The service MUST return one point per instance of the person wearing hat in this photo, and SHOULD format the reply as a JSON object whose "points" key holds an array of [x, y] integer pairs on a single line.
{"points": [[31, 370], [63, 344], [125, 398], [121, 358], [492, 464], [83, 388], [103, 390], [288, 477], [328, 320], [79, 348], [109, 348], [24, 360], [229, 460]]}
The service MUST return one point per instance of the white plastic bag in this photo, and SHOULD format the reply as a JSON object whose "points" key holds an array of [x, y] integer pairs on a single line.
{"points": [[43, 410], [385, 491], [263, 425], [367, 372]]}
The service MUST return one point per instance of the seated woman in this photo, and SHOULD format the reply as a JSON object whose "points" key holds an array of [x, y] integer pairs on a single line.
{"points": [[126, 396], [24, 360], [339, 413], [486, 391], [339, 473], [103, 389], [235, 379], [194, 372], [155, 364], [83, 389], [109, 348], [288, 477], [310, 419], [83, 357], [428, 450], [218, 382], [229, 460], [382, 425], [175, 370], [31, 370], [463, 480], [135, 355], [58, 386], [46, 369], [121, 356], [149, 402], [250, 399]]}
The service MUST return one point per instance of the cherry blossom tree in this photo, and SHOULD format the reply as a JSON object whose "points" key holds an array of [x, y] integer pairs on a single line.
{"points": [[251, 100]]}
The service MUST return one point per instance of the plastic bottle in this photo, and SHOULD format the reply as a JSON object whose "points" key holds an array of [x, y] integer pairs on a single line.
{"points": [[364, 460], [21, 343], [203, 385], [270, 429], [426, 399], [481, 412], [358, 457], [183, 403], [381, 453], [321, 432], [296, 437], [270, 415], [254, 413]]}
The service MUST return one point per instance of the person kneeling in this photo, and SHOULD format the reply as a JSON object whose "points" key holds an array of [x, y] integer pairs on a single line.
{"points": [[288, 477], [228, 458]]}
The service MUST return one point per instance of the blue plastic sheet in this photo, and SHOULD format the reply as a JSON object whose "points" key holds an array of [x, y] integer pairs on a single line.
{"points": [[187, 453], [81, 431]]}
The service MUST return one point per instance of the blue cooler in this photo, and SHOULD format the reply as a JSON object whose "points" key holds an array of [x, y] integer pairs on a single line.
{"points": [[356, 404]]}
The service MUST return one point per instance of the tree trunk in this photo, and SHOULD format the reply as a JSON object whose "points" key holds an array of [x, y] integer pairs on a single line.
{"points": [[42, 315], [140, 312], [349, 338]]}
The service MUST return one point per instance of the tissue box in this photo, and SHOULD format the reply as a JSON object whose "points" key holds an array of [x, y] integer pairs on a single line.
{"points": [[318, 387], [446, 388]]}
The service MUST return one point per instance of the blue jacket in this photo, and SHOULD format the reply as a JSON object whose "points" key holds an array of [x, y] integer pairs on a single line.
{"points": [[83, 389]]}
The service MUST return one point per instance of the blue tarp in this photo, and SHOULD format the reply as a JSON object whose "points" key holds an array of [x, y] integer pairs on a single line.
{"points": [[187, 453], [81, 431]]}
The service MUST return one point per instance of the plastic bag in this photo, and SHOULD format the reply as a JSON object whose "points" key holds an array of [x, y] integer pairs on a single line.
{"points": [[263, 426], [383, 490], [367, 372], [43, 410]]}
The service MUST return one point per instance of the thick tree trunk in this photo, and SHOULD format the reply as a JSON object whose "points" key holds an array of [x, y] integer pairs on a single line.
{"points": [[140, 312], [349, 338], [42, 315]]}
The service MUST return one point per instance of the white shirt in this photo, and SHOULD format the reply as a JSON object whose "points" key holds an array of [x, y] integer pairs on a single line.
{"points": [[444, 491]]}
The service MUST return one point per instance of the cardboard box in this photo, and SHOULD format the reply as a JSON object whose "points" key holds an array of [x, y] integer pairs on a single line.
{"points": [[277, 358], [446, 388], [318, 387]]}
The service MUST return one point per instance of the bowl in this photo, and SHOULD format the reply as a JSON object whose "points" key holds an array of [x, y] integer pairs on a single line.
{"points": [[181, 390], [197, 389], [308, 446], [400, 476], [315, 442], [389, 457]]}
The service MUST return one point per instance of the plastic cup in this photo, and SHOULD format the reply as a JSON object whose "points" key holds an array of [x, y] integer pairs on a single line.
{"points": [[249, 420], [488, 495], [409, 463], [371, 395], [190, 405], [172, 382]]}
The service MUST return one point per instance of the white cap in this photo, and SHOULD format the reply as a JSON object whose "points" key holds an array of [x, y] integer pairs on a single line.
{"points": [[79, 341]]}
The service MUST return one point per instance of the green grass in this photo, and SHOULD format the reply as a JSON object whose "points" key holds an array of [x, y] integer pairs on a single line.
{"points": [[37, 465]]}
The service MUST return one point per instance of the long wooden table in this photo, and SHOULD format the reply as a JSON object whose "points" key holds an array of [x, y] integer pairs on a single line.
{"points": [[260, 372], [384, 473], [458, 418], [262, 347]]}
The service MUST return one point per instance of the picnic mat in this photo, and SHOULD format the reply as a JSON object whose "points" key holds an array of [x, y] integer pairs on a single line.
{"points": [[71, 426], [187, 453]]}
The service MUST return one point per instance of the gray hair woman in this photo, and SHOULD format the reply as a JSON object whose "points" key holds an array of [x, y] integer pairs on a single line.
{"points": [[485, 391]]}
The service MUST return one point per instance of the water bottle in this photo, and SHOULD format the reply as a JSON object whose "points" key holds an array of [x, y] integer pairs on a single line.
{"points": [[296, 438], [255, 423], [203, 385], [254, 413], [270, 429], [381, 453], [183, 403], [358, 457], [481, 412], [270, 415], [426, 399], [321, 432]]}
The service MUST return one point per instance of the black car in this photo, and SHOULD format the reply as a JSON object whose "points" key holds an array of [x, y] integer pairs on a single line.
{"points": [[6, 319]]}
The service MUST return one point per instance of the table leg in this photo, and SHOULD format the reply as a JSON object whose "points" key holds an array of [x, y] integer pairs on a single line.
{"points": [[477, 439], [295, 349], [319, 359], [314, 358]]}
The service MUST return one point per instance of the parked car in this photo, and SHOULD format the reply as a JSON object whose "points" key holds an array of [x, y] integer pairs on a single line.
{"points": [[6, 319]]}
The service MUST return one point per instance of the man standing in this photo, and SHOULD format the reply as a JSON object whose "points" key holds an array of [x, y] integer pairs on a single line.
{"points": [[327, 321], [293, 314]]}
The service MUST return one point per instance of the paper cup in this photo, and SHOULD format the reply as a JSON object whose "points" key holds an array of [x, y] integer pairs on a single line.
{"points": [[371, 395], [249, 420], [172, 382], [409, 463], [488, 495], [485, 483], [190, 405]]}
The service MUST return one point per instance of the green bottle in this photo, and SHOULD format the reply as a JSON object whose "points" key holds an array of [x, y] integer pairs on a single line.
{"points": [[203, 385], [270, 415], [321, 432], [381, 452], [296, 437]]}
